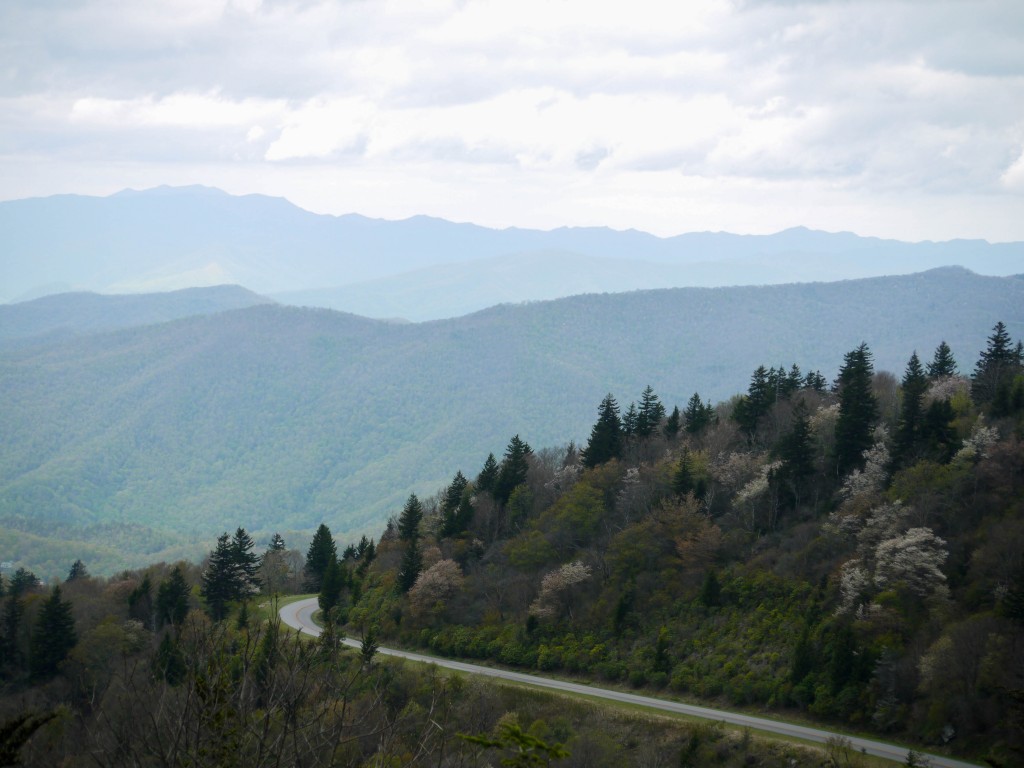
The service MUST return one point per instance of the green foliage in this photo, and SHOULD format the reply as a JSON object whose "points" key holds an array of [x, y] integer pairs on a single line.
{"points": [[605, 441], [52, 638], [858, 410], [321, 553]]}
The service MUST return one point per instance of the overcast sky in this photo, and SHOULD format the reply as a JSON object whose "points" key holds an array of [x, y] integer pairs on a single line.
{"points": [[897, 119]]}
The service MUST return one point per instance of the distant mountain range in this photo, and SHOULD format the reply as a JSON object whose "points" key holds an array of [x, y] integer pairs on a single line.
{"points": [[418, 269], [125, 446]]}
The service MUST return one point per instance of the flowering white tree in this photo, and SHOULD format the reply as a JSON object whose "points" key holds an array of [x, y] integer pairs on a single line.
{"points": [[976, 446], [913, 559], [435, 586], [872, 478], [556, 589]]}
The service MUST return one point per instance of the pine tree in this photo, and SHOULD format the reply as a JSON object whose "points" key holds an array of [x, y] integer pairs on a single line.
{"points": [[488, 476], [682, 480], [221, 581], [172, 598], [322, 550], [409, 521], [246, 562], [513, 470], [698, 415], [754, 405], [796, 450], [52, 638], [78, 571], [457, 510], [333, 583], [629, 420], [276, 543], [22, 581], [673, 424], [605, 441], [140, 602], [908, 433], [943, 363], [412, 564], [996, 367], [858, 410], [10, 654], [815, 381], [650, 414]]}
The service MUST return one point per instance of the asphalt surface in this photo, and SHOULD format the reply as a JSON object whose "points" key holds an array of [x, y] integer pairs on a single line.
{"points": [[299, 615]]}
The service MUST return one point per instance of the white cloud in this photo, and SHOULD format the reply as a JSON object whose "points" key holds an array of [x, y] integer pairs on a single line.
{"points": [[635, 115]]}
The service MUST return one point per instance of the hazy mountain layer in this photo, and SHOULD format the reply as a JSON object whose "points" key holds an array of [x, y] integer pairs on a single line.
{"points": [[172, 238], [151, 440]]}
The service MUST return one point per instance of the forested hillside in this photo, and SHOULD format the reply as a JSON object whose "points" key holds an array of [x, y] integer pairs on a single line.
{"points": [[845, 551], [136, 444], [850, 552]]}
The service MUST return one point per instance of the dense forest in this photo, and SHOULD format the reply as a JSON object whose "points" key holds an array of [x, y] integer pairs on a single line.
{"points": [[847, 551]]}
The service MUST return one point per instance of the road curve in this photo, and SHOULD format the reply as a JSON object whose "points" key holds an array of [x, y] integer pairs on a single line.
{"points": [[299, 615]]}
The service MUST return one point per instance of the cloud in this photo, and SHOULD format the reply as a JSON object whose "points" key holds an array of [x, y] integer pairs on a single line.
{"points": [[575, 103]]}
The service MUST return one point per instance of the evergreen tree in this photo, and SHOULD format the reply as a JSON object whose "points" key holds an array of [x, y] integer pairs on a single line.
{"points": [[409, 521], [815, 381], [682, 480], [943, 363], [78, 571], [796, 450], [754, 405], [650, 414], [711, 590], [172, 598], [10, 654], [457, 512], [169, 663], [52, 638], [858, 410], [246, 562], [513, 470], [140, 602], [412, 564], [996, 367], [908, 433], [629, 421], [673, 424], [488, 477], [605, 441], [276, 543], [322, 550], [698, 415], [22, 581], [333, 583], [221, 580]]}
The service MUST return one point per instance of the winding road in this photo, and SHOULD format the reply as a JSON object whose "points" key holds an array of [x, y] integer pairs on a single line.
{"points": [[299, 615]]}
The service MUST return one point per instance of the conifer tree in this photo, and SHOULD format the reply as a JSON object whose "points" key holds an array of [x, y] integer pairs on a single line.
{"points": [[858, 410], [140, 602], [333, 583], [221, 581], [698, 415], [682, 480], [247, 563], [815, 381], [513, 470], [943, 363], [650, 413], [673, 424], [754, 405], [52, 638], [412, 564], [488, 476], [276, 543], [10, 654], [322, 550], [796, 450], [908, 433], [78, 571], [172, 598], [409, 521], [605, 441], [998, 364]]}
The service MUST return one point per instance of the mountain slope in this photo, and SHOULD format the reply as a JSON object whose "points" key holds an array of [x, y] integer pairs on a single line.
{"points": [[277, 418], [171, 238]]}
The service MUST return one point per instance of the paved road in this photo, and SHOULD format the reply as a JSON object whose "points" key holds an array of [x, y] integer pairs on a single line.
{"points": [[299, 615]]}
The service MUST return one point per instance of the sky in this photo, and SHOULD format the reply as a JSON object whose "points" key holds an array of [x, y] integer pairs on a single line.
{"points": [[897, 118]]}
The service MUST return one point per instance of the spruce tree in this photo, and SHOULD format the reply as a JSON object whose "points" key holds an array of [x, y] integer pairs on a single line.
{"points": [[52, 638], [682, 479], [996, 367], [330, 590], [276, 543], [943, 363], [488, 476], [908, 432], [172, 598], [78, 571], [697, 415], [796, 450], [247, 563], [412, 564], [221, 581], [650, 414], [629, 421], [673, 424], [858, 410], [513, 470], [322, 550], [11, 658], [605, 441], [409, 521]]}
